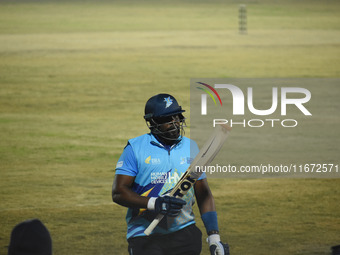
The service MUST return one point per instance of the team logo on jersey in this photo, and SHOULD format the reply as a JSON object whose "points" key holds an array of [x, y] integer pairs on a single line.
{"points": [[168, 101], [185, 160]]}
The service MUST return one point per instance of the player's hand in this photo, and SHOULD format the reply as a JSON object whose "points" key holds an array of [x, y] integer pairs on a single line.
{"points": [[216, 246], [167, 205]]}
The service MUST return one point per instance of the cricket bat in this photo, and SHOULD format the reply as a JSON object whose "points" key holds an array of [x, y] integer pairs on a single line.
{"points": [[206, 154]]}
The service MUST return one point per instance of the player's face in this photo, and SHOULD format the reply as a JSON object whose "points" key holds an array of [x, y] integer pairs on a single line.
{"points": [[170, 126]]}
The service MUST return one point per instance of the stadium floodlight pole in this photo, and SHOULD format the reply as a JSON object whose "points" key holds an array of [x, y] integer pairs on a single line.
{"points": [[242, 19], [207, 153]]}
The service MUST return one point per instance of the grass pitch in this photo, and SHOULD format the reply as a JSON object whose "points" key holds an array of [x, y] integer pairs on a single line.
{"points": [[74, 78]]}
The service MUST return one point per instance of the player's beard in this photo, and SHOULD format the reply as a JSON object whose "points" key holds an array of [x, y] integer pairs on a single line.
{"points": [[170, 135]]}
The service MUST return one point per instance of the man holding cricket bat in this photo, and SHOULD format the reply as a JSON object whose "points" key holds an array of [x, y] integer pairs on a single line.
{"points": [[146, 176]]}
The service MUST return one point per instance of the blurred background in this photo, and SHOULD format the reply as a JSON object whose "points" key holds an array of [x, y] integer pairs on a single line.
{"points": [[74, 79]]}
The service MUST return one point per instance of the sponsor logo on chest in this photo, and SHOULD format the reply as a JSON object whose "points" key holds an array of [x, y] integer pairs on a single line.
{"points": [[152, 161]]}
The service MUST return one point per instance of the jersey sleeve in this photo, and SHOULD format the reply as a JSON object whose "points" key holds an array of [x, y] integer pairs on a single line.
{"points": [[127, 163]]}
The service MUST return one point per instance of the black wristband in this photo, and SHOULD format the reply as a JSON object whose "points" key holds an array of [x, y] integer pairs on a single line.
{"points": [[213, 232]]}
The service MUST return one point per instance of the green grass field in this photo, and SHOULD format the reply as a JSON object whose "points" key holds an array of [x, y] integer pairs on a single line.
{"points": [[74, 78]]}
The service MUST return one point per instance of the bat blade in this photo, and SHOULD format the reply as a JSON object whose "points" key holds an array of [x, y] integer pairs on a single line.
{"points": [[207, 153]]}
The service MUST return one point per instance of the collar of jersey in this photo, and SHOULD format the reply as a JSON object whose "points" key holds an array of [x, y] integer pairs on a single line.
{"points": [[155, 142]]}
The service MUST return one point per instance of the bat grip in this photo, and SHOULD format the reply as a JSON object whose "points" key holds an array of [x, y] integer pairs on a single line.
{"points": [[153, 224]]}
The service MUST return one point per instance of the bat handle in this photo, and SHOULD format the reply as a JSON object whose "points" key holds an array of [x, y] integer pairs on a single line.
{"points": [[153, 224]]}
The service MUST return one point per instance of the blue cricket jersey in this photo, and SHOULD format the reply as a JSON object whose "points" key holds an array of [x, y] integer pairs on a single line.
{"points": [[157, 169]]}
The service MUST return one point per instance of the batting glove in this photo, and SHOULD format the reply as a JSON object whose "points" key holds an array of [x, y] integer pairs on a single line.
{"points": [[216, 246], [166, 205]]}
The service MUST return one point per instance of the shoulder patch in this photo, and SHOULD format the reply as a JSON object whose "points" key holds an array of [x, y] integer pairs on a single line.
{"points": [[119, 164]]}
